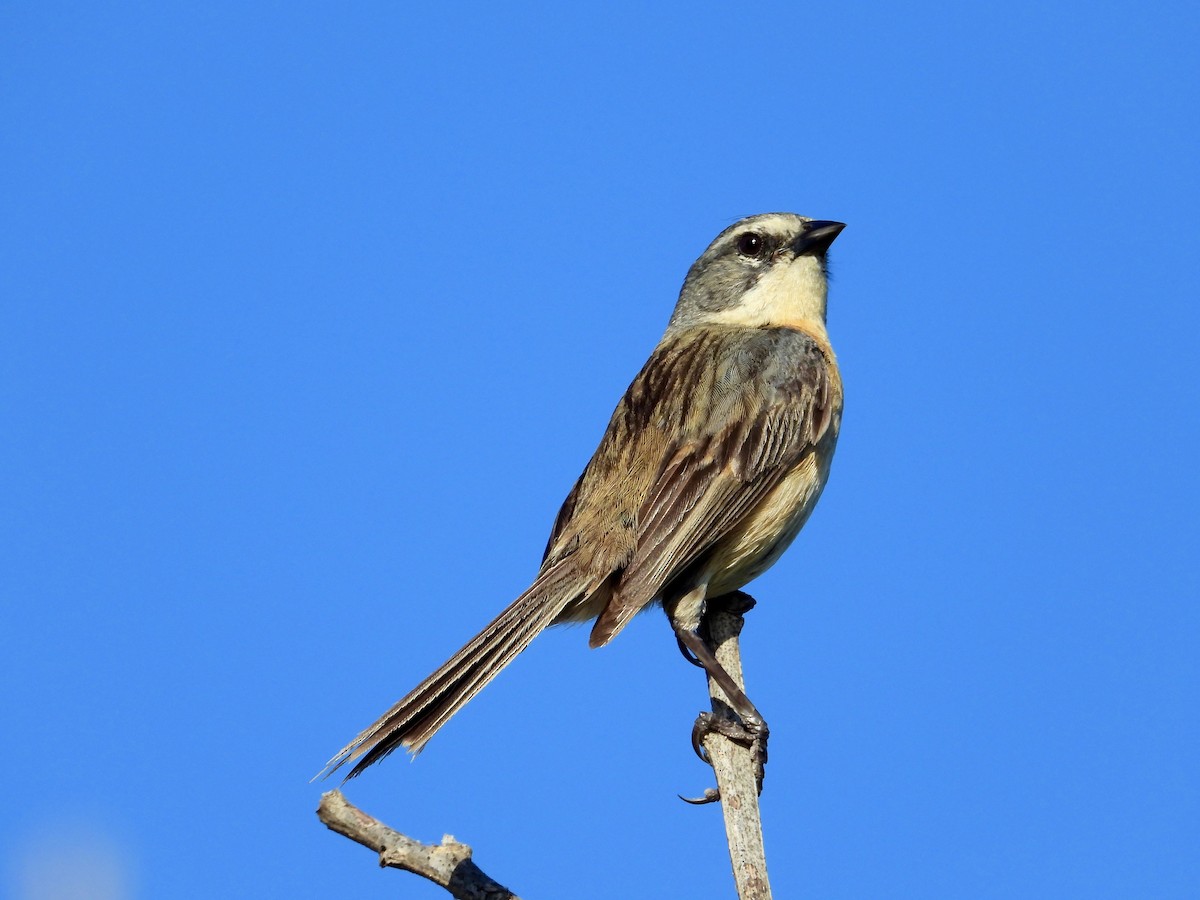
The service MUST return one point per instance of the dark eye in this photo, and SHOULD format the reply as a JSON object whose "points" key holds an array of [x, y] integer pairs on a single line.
{"points": [[751, 244]]}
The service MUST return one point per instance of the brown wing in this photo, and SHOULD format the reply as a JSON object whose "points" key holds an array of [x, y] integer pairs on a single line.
{"points": [[753, 403]]}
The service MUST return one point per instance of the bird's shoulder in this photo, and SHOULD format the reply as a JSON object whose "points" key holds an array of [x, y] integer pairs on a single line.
{"points": [[709, 367]]}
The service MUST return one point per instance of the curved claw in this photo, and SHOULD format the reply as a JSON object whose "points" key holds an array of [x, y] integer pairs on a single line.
{"points": [[711, 795], [687, 654], [699, 729]]}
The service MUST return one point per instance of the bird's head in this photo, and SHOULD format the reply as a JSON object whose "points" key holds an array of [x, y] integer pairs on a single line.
{"points": [[765, 270]]}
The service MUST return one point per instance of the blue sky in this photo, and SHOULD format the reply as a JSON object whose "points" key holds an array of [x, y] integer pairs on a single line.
{"points": [[311, 316]]}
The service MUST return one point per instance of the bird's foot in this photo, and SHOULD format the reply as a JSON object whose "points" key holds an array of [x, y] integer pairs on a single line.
{"points": [[751, 733]]}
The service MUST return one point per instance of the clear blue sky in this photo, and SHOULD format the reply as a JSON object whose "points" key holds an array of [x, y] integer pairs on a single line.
{"points": [[312, 314]]}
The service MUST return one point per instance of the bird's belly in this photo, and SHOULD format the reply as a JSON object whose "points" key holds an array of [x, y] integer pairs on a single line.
{"points": [[755, 545]]}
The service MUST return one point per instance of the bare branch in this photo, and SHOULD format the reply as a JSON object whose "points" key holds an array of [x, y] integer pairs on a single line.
{"points": [[735, 767], [447, 864]]}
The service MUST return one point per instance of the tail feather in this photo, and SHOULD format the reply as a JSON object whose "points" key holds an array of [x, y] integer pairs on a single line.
{"points": [[474, 679], [419, 715]]}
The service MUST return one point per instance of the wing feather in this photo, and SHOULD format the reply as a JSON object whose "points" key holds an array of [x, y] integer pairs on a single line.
{"points": [[766, 403]]}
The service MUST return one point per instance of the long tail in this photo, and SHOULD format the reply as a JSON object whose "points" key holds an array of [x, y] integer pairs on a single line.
{"points": [[417, 717]]}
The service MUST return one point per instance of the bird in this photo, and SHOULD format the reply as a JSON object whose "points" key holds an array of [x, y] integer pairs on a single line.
{"points": [[711, 463]]}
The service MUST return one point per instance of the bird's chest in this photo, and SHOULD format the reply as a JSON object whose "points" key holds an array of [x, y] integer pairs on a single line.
{"points": [[763, 536]]}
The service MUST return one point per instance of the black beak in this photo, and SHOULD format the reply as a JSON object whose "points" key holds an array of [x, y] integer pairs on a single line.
{"points": [[817, 236]]}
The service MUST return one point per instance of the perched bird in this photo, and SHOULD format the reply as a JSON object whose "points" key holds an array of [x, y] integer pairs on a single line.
{"points": [[711, 463]]}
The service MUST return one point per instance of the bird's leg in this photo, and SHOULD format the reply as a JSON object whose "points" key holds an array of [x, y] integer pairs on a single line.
{"points": [[752, 730]]}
